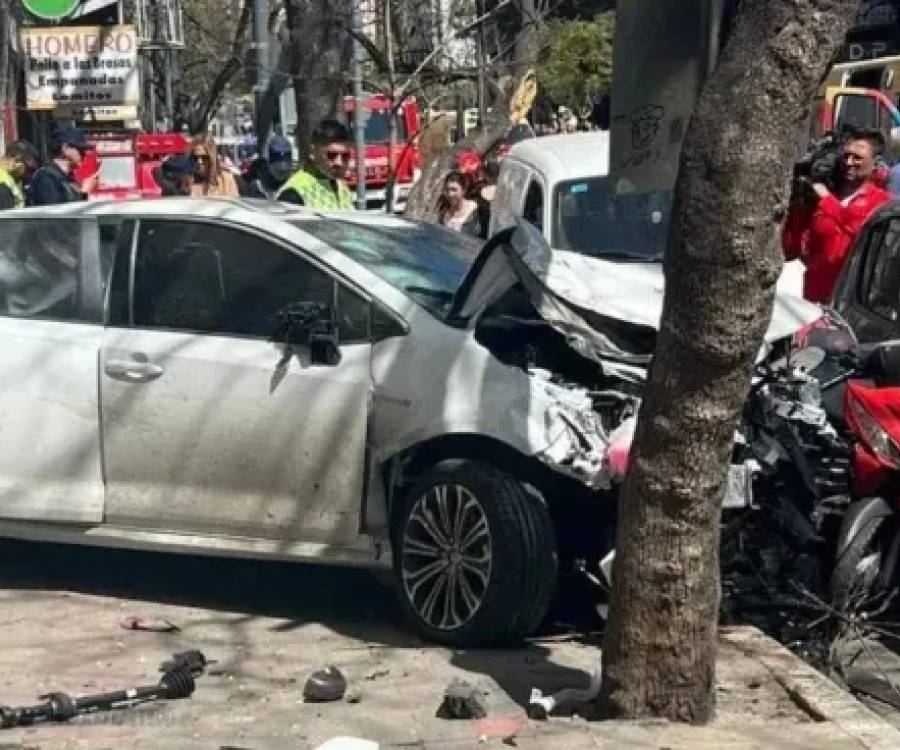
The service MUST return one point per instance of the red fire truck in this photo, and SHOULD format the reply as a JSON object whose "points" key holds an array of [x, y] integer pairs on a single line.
{"points": [[406, 151], [124, 161]]}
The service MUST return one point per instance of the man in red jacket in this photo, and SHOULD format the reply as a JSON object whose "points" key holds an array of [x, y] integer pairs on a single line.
{"points": [[822, 233]]}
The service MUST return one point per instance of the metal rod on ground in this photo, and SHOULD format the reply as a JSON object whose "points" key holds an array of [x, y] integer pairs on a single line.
{"points": [[359, 128]]}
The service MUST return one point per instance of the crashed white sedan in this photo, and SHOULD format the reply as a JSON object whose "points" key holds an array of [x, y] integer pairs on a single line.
{"points": [[239, 378]]}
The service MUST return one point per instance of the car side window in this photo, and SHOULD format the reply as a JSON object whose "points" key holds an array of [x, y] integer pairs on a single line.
{"points": [[40, 269], [881, 293], [197, 277], [534, 205]]}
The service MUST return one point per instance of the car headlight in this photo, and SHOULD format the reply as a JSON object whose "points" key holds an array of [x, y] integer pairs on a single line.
{"points": [[873, 435]]}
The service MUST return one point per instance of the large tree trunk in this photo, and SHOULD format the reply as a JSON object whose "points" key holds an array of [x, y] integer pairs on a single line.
{"points": [[319, 61], [721, 268]]}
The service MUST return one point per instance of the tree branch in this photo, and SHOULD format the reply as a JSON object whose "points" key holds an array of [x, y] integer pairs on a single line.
{"points": [[201, 115]]}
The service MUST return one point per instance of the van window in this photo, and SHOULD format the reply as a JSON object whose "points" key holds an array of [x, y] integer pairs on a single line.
{"points": [[589, 218], [534, 205]]}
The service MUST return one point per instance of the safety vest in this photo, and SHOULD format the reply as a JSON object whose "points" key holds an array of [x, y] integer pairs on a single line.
{"points": [[7, 179], [316, 192]]}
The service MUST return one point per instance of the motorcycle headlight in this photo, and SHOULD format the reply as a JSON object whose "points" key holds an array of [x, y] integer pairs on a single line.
{"points": [[872, 434]]}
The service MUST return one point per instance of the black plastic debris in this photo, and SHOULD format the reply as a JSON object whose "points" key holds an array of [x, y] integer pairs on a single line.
{"points": [[325, 685], [462, 701]]}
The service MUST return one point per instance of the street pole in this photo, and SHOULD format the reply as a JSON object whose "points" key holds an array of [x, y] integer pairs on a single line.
{"points": [[359, 128], [261, 46], [482, 104], [169, 57]]}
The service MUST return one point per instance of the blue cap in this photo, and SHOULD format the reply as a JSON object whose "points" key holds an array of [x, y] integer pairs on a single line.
{"points": [[280, 148], [70, 136], [179, 165]]}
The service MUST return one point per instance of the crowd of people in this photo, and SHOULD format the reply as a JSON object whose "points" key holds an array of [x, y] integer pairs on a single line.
{"points": [[822, 224], [26, 181]]}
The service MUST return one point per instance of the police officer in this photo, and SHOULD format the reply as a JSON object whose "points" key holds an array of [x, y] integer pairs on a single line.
{"points": [[15, 167], [266, 176], [320, 185], [54, 183]]}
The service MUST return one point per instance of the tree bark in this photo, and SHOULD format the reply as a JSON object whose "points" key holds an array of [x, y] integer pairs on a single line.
{"points": [[721, 267]]}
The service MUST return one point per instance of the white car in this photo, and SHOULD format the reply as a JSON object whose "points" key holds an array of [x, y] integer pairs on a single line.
{"points": [[245, 378]]}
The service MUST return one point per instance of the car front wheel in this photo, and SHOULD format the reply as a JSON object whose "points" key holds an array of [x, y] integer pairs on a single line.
{"points": [[474, 555]]}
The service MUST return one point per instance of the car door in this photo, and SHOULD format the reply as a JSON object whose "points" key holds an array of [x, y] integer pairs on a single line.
{"points": [[208, 425], [50, 325], [868, 292]]}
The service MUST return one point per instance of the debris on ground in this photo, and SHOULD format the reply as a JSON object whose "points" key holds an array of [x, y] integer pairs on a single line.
{"points": [[348, 743], [195, 661], [61, 707], [376, 674], [462, 701], [499, 727], [354, 694], [149, 624], [540, 706], [325, 685]]}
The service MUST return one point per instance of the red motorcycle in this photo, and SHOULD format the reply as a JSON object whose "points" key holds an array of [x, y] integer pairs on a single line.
{"points": [[868, 544]]}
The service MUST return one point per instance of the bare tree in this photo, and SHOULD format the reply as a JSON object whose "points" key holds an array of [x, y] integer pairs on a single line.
{"points": [[721, 268], [211, 60]]}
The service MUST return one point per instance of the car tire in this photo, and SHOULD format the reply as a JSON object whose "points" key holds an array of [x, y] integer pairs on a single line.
{"points": [[858, 578], [479, 533]]}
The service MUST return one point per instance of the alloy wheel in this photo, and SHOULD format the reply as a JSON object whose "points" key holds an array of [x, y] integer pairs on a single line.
{"points": [[446, 556]]}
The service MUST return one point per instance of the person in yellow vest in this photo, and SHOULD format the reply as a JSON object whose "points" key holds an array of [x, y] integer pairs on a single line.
{"points": [[320, 184], [20, 159]]}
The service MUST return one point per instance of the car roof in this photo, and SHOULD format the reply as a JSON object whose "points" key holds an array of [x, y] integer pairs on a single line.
{"points": [[234, 209], [565, 157]]}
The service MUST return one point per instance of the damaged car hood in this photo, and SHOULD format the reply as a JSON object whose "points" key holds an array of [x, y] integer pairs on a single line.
{"points": [[602, 306]]}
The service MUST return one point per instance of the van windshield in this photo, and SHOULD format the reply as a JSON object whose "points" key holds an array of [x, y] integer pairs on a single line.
{"points": [[590, 219]]}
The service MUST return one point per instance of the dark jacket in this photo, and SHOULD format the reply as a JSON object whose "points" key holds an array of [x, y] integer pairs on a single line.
{"points": [[259, 182], [50, 185]]}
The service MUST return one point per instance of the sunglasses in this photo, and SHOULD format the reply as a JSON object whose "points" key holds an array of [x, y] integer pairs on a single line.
{"points": [[335, 154]]}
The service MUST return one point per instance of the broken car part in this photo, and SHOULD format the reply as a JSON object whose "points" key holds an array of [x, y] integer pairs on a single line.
{"points": [[325, 685], [194, 661], [462, 701], [62, 707], [540, 706]]}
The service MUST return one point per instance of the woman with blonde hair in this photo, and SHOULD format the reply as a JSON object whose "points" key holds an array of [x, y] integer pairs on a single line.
{"points": [[210, 179]]}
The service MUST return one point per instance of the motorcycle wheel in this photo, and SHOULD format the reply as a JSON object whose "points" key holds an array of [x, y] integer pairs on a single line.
{"points": [[864, 569]]}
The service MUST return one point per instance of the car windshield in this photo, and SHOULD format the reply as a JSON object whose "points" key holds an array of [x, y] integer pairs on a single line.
{"points": [[425, 261], [590, 219]]}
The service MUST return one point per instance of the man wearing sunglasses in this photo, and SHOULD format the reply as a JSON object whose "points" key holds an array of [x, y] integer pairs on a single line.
{"points": [[54, 183], [320, 184]]}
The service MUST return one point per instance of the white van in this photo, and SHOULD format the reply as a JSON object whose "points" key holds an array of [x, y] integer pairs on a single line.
{"points": [[561, 185]]}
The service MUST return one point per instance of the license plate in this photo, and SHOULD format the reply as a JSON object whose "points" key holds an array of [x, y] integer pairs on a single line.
{"points": [[739, 487]]}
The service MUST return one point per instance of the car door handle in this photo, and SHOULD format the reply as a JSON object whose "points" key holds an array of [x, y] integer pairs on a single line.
{"points": [[132, 372]]}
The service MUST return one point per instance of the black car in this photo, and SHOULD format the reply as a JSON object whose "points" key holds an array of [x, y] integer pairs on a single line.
{"points": [[867, 293]]}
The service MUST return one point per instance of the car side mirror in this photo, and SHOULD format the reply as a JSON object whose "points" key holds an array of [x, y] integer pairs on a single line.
{"points": [[309, 325], [884, 363]]}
